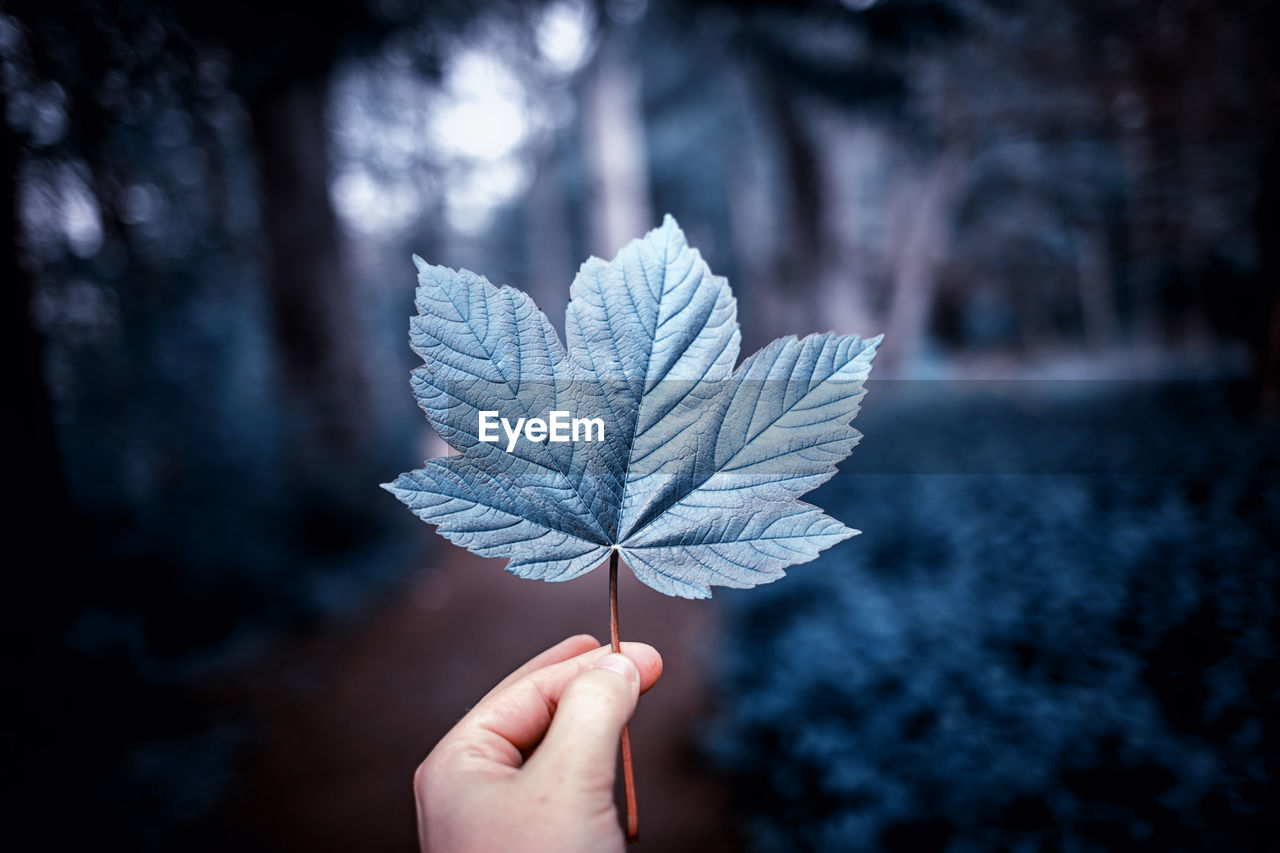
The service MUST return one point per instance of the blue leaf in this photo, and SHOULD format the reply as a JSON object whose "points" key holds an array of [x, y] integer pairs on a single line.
{"points": [[490, 349], [697, 477], [489, 516], [652, 327]]}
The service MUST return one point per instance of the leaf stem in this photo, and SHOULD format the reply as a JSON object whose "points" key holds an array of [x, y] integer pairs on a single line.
{"points": [[628, 776]]}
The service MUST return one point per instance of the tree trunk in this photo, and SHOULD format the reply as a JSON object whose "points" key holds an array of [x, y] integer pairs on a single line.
{"points": [[1096, 287], [920, 250], [1264, 337], [313, 310], [41, 590], [800, 261], [549, 235], [814, 287], [619, 206]]}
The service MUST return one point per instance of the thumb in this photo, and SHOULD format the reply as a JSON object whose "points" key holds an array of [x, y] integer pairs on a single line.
{"points": [[581, 746]]}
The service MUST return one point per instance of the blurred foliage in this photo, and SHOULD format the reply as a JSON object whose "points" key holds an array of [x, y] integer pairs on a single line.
{"points": [[1020, 652]]}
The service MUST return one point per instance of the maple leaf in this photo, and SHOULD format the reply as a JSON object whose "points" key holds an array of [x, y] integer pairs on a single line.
{"points": [[695, 472]]}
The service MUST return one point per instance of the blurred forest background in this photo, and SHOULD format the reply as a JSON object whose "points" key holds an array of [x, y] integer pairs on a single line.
{"points": [[1059, 630]]}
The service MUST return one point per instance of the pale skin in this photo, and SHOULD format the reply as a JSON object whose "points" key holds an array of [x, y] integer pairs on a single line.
{"points": [[531, 767]]}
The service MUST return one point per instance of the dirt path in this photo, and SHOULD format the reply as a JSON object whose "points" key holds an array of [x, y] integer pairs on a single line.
{"points": [[346, 714]]}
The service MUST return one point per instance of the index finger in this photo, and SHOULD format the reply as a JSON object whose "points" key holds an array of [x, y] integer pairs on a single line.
{"points": [[561, 651], [509, 722]]}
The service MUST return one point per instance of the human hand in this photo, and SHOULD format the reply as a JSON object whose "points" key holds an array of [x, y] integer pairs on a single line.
{"points": [[531, 767]]}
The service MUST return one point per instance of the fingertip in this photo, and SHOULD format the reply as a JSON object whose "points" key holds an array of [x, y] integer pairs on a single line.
{"points": [[647, 660], [583, 641], [567, 649]]}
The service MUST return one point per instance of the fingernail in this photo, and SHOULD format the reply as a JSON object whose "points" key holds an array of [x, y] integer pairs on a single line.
{"points": [[620, 664]]}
